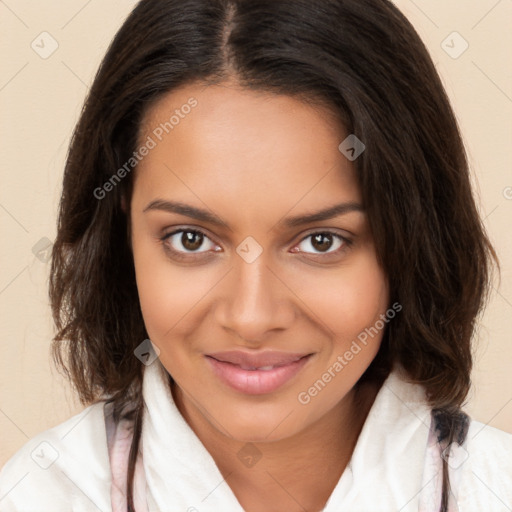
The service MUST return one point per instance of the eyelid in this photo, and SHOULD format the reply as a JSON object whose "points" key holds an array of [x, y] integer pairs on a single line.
{"points": [[332, 231]]}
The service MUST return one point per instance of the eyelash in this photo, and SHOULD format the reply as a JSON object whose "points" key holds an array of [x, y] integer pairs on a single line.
{"points": [[346, 243]]}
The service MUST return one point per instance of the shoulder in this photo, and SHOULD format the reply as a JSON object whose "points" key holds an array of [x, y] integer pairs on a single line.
{"points": [[485, 466], [480, 470], [61, 466]]}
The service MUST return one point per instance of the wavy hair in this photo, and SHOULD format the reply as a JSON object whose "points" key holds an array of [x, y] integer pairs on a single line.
{"points": [[366, 63]]}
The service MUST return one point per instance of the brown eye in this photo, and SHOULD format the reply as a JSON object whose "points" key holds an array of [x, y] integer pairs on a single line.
{"points": [[185, 241], [322, 242], [191, 240]]}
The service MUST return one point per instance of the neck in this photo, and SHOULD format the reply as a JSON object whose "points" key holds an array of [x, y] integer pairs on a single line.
{"points": [[294, 473]]}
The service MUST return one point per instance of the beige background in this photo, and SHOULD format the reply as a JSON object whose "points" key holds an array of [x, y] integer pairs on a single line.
{"points": [[41, 99]]}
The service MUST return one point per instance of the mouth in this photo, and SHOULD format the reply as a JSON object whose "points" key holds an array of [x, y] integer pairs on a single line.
{"points": [[256, 374]]}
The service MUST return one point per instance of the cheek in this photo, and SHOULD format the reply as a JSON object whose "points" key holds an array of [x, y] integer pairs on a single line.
{"points": [[168, 294], [350, 305], [349, 299], [362, 298]]}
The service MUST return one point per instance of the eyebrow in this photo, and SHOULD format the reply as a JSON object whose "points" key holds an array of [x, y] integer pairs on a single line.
{"points": [[289, 222]]}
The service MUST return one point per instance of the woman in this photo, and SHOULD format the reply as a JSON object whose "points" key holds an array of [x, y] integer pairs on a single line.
{"points": [[275, 193]]}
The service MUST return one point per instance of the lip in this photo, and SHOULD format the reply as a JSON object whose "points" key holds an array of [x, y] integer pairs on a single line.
{"points": [[232, 368]]}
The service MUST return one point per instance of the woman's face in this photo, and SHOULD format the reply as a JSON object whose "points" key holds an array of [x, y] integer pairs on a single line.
{"points": [[264, 321]]}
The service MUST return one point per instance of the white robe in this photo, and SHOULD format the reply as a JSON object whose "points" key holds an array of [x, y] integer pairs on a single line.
{"points": [[80, 465]]}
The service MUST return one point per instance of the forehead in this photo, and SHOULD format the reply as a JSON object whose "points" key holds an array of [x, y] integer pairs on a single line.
{"points": [[246, 146]]}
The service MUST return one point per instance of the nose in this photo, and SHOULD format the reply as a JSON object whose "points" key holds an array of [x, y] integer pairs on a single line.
{"points": [[255, 303]]}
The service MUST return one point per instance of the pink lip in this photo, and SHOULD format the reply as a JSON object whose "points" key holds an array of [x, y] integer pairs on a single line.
{"points": [[229, 367]]}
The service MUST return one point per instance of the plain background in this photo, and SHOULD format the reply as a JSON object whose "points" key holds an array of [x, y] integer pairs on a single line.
{"points": [[41, 98]]}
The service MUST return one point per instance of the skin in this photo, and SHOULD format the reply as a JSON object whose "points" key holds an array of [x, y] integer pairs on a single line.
{"points": [[253, 159]]}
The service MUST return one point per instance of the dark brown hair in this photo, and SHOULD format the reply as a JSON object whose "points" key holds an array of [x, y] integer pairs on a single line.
{"points": [[364, 60]]}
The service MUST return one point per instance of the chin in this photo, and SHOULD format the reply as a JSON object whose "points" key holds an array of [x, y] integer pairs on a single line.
{"points": [[260, 424]]}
